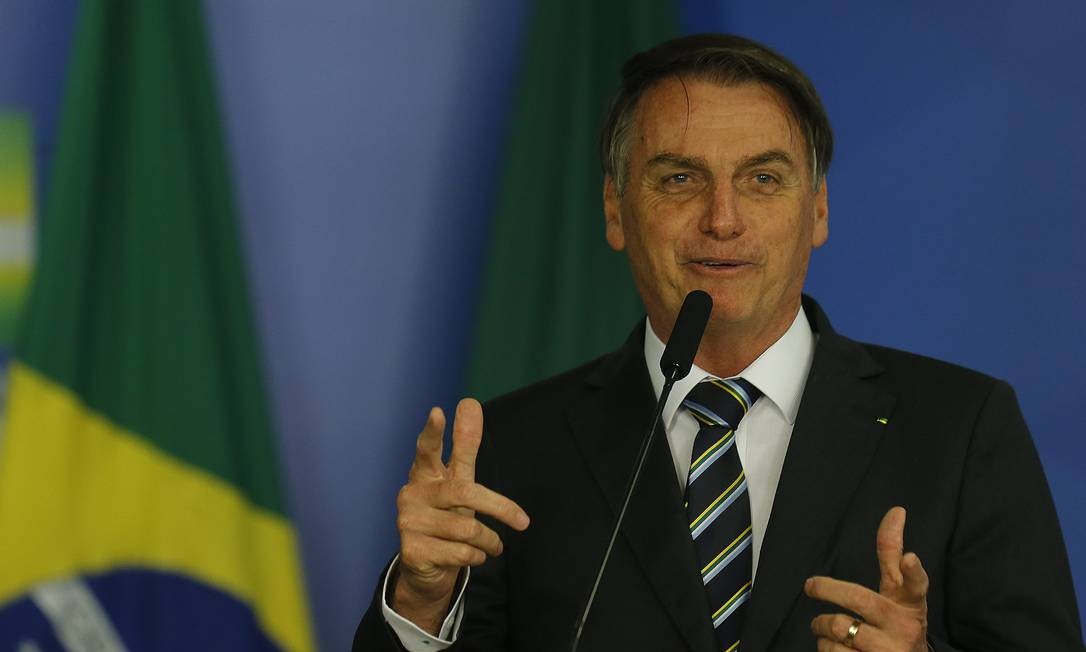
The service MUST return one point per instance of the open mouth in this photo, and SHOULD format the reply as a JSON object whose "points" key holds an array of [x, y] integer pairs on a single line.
{"points": [[717, 263]]}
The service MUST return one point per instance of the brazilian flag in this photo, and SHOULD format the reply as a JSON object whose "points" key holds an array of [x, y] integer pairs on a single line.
{"points": [[140, 504]]}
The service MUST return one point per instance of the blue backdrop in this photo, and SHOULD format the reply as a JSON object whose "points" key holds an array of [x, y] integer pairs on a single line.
{"points": [[367, 137]]}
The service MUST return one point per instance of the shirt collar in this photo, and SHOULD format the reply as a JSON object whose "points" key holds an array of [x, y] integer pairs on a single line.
{"points": [[780, 372]]}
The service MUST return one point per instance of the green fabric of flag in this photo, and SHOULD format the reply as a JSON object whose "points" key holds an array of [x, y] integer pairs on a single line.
{"points": [[138, 445], [554, 294]]}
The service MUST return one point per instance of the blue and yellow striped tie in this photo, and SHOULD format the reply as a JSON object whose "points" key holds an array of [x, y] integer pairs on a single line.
{"points": [[717, 505]]}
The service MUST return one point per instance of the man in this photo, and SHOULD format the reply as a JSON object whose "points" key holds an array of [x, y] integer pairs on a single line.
{"points": [[715, 154]]}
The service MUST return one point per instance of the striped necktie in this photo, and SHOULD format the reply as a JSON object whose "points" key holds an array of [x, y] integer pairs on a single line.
{"points": [[717, 505]]}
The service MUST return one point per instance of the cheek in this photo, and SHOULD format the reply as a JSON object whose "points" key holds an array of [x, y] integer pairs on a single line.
{"points": [[789, 248], [646, 234]]}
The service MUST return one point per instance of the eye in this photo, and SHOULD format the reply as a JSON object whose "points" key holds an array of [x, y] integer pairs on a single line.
{"points": [[682, 183], [764, 183]]}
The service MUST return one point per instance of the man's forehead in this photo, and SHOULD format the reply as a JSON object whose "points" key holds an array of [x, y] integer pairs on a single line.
{"points": [[678, 114]]}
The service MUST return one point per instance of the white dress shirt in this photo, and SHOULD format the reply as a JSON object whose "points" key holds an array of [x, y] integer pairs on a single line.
{"points": [[780, 373]]}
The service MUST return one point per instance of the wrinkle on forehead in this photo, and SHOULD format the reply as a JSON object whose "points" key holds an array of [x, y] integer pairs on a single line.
{"points": [[791, 121]]}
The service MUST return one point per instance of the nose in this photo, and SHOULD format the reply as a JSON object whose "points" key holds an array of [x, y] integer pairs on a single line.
{"points": [[721, 218]]}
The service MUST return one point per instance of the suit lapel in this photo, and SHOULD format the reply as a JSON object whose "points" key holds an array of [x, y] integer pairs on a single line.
{"points": [[608, 427], [835, 437]]}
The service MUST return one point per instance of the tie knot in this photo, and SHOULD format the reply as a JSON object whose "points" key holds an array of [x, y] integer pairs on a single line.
{"points": [[721, 402]]}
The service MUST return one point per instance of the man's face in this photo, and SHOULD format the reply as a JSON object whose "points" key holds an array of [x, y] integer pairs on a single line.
{"points": [[718, 197]]}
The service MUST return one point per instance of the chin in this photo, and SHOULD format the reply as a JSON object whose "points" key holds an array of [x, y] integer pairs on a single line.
{"points": [[728, 308], [728, 319]]}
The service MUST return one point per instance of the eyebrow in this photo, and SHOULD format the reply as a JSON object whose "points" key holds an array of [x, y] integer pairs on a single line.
{"points": [[677, 160], [768, 156]]}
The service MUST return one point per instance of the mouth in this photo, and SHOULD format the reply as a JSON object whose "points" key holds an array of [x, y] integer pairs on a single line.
{"points": [[718, 263]]}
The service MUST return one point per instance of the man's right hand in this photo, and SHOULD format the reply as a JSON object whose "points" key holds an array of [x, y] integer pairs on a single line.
{"points": [[439, 534]]}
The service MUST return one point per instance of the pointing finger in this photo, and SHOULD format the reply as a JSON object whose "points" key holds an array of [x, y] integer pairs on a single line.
{"points": [[889, 544], [466, 437], [477, 498], [858, 599], [428, 448], [450, 526]]}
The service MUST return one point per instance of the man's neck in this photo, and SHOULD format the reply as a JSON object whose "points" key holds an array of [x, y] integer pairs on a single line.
{"points": [[727, 349]]}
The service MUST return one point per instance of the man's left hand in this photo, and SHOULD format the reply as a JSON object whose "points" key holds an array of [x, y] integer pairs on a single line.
{"points": [[893, 620]]}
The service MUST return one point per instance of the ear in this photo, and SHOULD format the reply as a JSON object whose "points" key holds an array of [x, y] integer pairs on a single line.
{"points": [[821, 229], [612, 214]]}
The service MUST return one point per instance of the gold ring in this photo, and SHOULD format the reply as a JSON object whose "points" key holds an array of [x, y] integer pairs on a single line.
{"points": [[852, 630]]}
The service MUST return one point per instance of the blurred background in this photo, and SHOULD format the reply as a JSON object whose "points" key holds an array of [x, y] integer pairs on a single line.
{"points": [[396, 180]]}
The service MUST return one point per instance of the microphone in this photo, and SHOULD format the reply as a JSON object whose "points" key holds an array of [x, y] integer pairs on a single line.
{"points": [[682, 346], [678, 356]]}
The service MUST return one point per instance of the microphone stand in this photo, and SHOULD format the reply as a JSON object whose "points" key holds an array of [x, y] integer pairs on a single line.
{"points": [[675, 363], [670, 376]]}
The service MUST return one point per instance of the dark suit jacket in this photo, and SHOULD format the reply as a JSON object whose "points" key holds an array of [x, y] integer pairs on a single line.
{"points": [[954, 451]]}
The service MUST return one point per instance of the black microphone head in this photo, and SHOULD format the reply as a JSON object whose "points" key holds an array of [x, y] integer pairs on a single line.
{"points": [[682, 346]]}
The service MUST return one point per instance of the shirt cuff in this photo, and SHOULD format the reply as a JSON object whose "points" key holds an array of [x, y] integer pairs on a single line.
{"points": [[412, 637]]}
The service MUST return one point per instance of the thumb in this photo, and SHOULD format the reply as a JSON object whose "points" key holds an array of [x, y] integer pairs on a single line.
{"points": [[890, 545]]}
